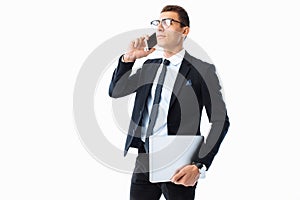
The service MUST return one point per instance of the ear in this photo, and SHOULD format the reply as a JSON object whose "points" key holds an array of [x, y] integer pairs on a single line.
{"points": [[186, 31]]}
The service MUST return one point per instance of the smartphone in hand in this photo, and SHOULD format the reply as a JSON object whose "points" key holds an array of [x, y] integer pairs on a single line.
{"points": [[151, 42]]}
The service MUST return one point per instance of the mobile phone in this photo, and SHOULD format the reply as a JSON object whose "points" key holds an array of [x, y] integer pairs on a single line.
{"points": [[151, 42]]}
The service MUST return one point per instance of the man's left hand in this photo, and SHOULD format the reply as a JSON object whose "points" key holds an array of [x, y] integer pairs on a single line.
{"points": [[187, 176]]}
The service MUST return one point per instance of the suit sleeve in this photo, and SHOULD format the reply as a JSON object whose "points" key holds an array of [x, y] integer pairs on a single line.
{"points": [[217, 115], [122, 82]]}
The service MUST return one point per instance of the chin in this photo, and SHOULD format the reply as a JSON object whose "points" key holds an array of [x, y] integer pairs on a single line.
{"points": [[162, 44]]}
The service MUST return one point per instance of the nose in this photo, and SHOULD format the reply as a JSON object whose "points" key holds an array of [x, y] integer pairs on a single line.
{"points": [[160, 27]]}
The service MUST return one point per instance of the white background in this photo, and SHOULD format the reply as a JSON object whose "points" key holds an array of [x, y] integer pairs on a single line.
{"points": [[43, 44]]}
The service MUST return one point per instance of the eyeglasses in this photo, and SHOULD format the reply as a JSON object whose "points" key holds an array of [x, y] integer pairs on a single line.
{"points": [[166, 23]]}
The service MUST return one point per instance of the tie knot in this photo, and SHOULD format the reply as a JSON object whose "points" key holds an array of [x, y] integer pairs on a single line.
{"points": [[166, 62]]}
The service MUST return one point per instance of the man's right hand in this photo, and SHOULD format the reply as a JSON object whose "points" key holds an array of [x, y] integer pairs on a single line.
{"points": [[137, 49]]}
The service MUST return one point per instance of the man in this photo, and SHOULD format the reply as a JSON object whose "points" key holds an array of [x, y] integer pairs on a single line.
{"points": [[191, 85]]}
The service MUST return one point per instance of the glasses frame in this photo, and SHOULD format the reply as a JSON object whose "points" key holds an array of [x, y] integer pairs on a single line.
{"points": [[161, 21]]}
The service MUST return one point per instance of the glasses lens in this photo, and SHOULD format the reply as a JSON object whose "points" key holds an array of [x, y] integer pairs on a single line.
{"points": [[166, 22], [155, 22]]}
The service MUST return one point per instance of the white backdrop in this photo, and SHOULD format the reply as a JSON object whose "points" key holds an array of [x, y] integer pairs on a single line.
{"points": [[254, 45]]}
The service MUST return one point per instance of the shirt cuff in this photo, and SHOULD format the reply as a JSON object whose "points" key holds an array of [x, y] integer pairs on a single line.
{"points": [[202, 169], [202, 172]]}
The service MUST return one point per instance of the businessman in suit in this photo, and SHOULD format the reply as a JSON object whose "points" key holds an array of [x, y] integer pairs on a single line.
{"points": [[175, 87]]}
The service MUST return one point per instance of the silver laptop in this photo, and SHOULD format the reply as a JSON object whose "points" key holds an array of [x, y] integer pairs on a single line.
{"points": [[169, 153]]}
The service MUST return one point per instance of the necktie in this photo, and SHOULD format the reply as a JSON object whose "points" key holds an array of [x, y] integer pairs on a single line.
{"points": [[155, 106]]}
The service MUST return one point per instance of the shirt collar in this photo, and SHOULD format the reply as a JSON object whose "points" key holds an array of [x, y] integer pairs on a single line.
{"points": [[177, 58]]}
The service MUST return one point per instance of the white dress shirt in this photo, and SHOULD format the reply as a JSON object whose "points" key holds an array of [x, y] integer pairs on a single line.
{"points": [[160, 127]]}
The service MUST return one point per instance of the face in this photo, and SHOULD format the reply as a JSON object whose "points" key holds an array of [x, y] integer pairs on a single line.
{"points": [[172, 37]]}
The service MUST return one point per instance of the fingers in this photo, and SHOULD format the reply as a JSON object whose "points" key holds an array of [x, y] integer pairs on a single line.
{"points": [[146, 37], [139, 43], [186, 180], [186, 176], [137, 48], [179, 172], [177, 176], [151, 50]]}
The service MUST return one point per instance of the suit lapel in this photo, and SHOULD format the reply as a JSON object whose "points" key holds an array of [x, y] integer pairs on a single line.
{"points": [[180, 79], [150, 70]]}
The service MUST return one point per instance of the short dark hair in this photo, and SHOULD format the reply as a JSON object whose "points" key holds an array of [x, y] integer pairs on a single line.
{"points": [[183, 16]]}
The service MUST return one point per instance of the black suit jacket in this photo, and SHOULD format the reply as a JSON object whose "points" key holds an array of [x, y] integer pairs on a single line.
{"points": [[196, 86]]}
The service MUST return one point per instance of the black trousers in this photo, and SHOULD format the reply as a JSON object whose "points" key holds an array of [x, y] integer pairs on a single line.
{"points": [[142, 189]]}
